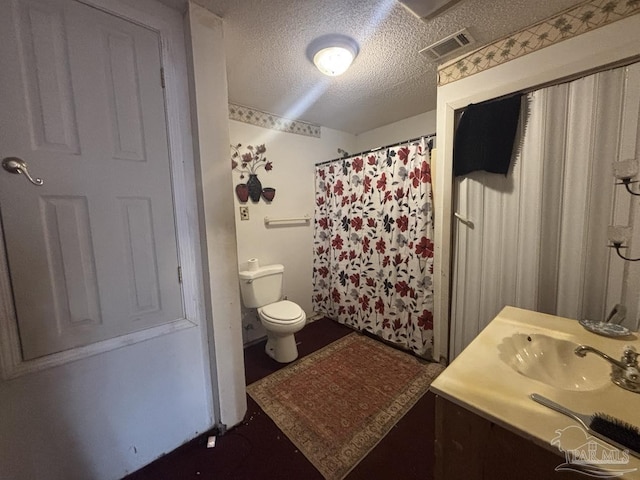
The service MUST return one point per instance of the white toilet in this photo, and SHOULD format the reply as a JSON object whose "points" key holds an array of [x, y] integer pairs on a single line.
{"points": [[261, 288]]}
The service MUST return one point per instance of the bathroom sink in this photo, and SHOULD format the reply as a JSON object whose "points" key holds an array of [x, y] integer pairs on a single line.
{"points": [[552, 361]]}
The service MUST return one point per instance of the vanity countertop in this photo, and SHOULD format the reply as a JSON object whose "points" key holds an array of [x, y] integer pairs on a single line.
{"points": [[480, 381]]}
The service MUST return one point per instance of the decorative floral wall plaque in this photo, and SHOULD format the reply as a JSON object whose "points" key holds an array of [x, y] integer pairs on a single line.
{"points": [[248, 164]]}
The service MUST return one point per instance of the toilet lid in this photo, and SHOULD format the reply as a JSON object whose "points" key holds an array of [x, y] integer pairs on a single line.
{"points": [[283, 310]]}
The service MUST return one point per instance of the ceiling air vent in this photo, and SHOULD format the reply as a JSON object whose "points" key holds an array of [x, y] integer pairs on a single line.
{"points": [[448, 45], [427, 9]]}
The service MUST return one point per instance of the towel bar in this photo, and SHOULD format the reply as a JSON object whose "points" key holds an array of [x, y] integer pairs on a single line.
{"points": [[302, 219]]}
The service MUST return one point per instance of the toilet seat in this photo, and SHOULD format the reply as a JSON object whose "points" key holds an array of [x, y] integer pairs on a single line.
{"points": [[282, 312]]}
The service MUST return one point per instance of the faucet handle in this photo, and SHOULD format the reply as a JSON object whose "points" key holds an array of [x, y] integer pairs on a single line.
{"points": [[630, 356]]}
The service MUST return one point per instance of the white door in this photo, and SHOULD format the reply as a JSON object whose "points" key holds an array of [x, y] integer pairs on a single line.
{"points": [[91, 252]]}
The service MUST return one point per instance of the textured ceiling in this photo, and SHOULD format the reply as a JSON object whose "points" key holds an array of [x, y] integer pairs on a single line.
{"points": [[267, 68]]}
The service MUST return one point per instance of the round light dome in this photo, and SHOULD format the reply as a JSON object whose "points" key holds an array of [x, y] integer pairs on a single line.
{"points": [[333, 53], [333, 61]]}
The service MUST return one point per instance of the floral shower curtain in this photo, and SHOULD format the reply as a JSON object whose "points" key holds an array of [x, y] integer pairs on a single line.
{"points": [[373, 244]]}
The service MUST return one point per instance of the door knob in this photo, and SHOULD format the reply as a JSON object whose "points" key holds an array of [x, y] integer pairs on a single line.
{"points": [[17, 165]]}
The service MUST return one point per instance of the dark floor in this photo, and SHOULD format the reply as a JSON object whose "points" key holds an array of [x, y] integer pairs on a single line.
{"points": [[257, 449]]}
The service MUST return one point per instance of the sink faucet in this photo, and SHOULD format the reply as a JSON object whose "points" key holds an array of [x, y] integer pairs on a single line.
{"points": [[625, 372]]}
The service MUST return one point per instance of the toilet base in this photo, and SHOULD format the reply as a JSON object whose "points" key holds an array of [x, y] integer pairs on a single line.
{"points": [[282, 348]]}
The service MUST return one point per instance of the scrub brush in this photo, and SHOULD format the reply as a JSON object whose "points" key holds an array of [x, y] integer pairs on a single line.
{"points": [[612, 430]]}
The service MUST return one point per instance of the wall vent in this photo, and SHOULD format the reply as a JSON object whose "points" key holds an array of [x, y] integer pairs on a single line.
{"points": [[448, 45]]}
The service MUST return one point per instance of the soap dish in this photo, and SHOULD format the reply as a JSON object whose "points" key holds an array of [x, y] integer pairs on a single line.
{"points": [[605, 329]]}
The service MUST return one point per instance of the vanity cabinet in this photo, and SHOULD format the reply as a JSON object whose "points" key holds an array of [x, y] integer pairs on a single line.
{"points": [[487, 427], [470, 447]]}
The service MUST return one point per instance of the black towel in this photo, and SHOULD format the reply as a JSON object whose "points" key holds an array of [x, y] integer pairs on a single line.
{"points": [[484, 137]]}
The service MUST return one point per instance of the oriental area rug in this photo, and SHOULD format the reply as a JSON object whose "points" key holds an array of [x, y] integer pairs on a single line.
{"points": [[336, 404]]}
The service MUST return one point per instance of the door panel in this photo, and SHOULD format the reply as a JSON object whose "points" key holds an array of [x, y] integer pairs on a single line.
{"points": [[142, 266], [123, 93], [71, 261], [46, 69], [93, 252]]}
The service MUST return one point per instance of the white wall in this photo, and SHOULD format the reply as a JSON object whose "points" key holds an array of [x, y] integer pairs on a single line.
{"points": [[294, 157], [591, 50], [412, 127]]}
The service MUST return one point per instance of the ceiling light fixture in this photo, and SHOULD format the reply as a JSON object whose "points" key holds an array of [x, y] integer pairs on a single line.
{"points": [[332, 54]]}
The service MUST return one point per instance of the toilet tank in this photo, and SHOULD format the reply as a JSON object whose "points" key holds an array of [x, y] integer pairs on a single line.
{"points": [[262, 286]]}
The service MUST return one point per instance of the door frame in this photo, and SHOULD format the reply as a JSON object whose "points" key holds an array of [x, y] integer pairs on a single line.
{"points": [[167, 23]]}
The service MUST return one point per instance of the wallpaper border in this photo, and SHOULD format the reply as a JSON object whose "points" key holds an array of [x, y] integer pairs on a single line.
{"points": [[567, 24], [274, 122]]}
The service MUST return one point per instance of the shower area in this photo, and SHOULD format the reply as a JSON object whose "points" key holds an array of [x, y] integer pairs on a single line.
{"points": [[373, 243]]}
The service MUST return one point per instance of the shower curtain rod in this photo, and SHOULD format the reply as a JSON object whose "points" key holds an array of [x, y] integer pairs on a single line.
{"points": [[430, 136]]}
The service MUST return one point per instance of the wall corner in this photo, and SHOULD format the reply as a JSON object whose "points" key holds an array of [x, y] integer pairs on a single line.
{"points": [[210, 126]]}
